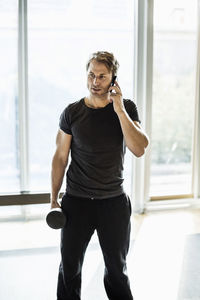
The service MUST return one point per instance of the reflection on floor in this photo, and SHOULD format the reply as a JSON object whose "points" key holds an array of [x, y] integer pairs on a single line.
{"points": [[163, 261], [190, 274]]}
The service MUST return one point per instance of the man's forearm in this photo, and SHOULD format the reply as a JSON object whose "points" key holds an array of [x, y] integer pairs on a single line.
{"points": [[135, 138], [57, 174]]}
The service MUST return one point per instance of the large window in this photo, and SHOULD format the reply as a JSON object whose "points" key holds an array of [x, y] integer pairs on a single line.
{"points": [[9, 154], [61, 36], [175, 34]]}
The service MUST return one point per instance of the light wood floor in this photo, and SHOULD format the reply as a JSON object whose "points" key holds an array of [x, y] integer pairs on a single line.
{"points": [[154, 261]]}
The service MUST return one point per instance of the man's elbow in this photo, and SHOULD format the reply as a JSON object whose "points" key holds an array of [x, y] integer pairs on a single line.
{"points": [[140, 150], [139, 153]]}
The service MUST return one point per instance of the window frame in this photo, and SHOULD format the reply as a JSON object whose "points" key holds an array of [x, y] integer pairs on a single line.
{"points": [[196, 136], [143, 58], [193, 197], [23, 95]]}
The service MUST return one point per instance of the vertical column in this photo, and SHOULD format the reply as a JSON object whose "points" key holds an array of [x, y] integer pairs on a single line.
{"points": [[143, 95], [196, 138], [23, 95]]}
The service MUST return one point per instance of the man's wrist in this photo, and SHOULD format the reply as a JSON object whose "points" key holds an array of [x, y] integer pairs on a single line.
{"points": [[121, 112], [54, 199]]}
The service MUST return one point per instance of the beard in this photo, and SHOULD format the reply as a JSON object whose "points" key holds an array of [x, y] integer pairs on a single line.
{"points": [[98, 91]]}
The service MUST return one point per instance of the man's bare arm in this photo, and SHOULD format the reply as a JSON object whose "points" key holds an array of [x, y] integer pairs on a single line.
{"points": [[135, 138], [59, 164]]}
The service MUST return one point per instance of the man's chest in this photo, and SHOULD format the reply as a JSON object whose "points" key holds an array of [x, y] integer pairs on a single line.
{"points": [[96, 130]]}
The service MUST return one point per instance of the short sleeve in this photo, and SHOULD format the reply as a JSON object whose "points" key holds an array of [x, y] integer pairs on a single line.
{"points": [[132, 110], [64, 122]]}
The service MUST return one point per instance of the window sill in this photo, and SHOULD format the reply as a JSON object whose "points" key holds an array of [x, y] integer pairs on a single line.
{"points": [[25, 198]]}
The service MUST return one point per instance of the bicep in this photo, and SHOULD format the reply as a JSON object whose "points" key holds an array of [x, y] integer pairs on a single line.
{"points": [[63, 144]]}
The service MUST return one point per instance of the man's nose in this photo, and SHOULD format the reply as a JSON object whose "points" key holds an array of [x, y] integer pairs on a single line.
{"points": [[96, 80]]}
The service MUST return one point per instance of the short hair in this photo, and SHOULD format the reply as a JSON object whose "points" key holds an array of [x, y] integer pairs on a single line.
{"points": [[105, 58]]}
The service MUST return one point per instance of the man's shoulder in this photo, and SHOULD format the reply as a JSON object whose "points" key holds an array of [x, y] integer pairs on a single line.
{"points": [[74, 105], [131, 109], [129, 103]]}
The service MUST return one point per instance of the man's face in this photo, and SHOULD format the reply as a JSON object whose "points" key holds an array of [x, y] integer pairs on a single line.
{"points": [[98, 79]]}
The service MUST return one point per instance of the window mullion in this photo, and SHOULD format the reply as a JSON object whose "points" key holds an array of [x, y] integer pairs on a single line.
{"points": [[196, 138], [23, 95], [143, 94]]}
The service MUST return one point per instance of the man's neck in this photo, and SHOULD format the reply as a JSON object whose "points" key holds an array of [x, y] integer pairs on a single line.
{"points": [[96, 102]]}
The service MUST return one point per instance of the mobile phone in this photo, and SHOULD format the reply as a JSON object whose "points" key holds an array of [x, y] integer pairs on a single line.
{"points": [[113, 82]]}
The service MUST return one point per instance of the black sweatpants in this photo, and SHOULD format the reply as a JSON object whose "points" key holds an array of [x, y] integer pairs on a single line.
{"points": [[111, 219]]}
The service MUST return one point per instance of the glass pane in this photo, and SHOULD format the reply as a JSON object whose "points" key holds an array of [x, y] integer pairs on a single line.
{"points": [[9, 164], [61, 38], [175, 24]]}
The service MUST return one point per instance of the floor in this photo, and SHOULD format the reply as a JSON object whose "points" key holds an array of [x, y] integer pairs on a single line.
{"points": [[29, 259]]}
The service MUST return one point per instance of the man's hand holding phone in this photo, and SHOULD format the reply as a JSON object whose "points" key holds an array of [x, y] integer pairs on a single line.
{"points": [[116, 96]]}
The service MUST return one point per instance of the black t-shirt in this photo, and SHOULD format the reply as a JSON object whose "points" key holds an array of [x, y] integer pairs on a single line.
{"points": [[97, 149]]}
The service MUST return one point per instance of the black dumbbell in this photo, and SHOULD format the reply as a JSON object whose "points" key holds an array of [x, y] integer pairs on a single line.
{"points": [[56, 218]]}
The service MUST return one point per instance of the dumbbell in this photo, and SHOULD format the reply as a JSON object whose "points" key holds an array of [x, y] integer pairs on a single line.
{"points": [[56, 218]]}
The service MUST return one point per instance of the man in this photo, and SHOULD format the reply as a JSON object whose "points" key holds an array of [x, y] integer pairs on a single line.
{"points": [[96, 129]]}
